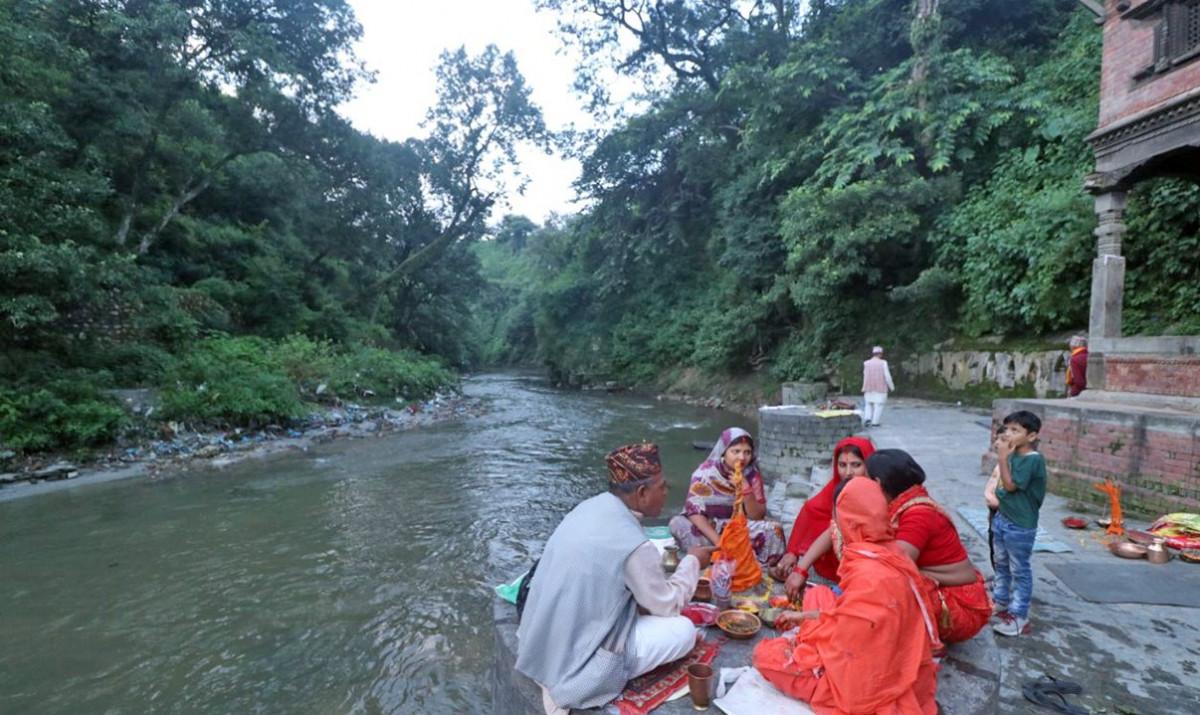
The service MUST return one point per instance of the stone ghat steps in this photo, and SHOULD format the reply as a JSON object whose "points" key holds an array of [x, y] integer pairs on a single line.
{"points": [[968, 681]]}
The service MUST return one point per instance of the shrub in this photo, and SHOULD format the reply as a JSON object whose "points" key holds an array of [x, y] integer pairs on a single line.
{"points": [[68, 413], [231, 381]]}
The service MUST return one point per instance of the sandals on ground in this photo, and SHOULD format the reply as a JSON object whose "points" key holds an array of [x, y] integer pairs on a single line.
{"points": [[1049, 692]]}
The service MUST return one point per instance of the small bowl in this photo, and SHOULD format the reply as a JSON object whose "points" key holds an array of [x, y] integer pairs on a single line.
{"points": [[739, 625], [1104, 521], [768, 615], [1192, 556], [1074, 522], [1128, 550]]}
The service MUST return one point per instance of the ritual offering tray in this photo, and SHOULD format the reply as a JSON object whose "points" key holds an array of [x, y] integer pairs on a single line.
{"points": [[1074, 522], [738, 625], [1128, 550], [1192, 556], [702, 614]]}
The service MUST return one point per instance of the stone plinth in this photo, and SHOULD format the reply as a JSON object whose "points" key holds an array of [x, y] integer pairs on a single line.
{"points": [[792, 440], [1152, 452]]}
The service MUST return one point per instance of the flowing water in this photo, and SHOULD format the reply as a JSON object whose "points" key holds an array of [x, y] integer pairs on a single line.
{"points": [[353, 578]]}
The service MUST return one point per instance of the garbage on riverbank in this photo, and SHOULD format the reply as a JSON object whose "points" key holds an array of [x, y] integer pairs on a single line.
{"points": [[175, 443]]}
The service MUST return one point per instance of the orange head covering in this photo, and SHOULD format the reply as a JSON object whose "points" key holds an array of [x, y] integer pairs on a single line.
{"points": [[861, 516]]}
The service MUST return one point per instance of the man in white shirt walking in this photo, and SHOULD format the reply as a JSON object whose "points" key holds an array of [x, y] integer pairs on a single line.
{"points": [[877, 382]]}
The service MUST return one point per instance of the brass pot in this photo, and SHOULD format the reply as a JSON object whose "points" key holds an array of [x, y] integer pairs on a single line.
{"points": [[1156, 553], [671, 558]]}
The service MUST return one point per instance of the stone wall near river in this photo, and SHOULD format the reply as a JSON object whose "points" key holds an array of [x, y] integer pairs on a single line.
{"points": [[1045, 371]]}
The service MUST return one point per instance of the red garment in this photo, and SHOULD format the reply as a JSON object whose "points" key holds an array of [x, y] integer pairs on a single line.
{"points": [[920, 521], [965, 610], [962, 610], [870, 652], [1077, 371], [815, 516]]}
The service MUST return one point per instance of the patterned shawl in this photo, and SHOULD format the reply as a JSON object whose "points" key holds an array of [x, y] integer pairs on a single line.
{"points": [[711, 491]]}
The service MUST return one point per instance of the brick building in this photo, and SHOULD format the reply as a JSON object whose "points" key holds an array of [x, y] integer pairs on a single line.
{"points": [[1139, 420]]}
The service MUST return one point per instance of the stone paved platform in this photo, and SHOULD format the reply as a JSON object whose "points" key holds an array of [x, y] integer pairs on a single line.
{"points": [[1130, 658]]}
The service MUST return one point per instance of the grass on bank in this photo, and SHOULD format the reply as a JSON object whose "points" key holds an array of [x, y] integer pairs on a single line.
{"points": [[221, 382]]}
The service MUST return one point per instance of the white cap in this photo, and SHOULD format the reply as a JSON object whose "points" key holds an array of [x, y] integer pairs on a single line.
{"points": [[876, 349]]}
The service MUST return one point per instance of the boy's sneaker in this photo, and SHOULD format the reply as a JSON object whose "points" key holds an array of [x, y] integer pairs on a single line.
{"points": [[999, 610], [1011, 625]]}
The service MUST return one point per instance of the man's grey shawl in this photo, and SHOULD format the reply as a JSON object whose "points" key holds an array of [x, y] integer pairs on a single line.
{"points": [[576, 634]]}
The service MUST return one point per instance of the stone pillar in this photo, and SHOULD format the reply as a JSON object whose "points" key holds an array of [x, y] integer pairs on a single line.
{"points": [[1108, 269]]}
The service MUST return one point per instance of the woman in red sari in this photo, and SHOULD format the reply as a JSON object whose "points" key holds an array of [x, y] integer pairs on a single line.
{"points": [[871, 649], [927, 534], [810, 545]]}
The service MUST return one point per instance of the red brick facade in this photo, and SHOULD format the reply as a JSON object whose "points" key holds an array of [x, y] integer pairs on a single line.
{"points": [[1155, 458], [1128, 49], [1153, 374]]}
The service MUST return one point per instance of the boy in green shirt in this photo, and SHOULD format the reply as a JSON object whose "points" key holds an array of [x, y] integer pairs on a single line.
{"points": [[1020, 493]]}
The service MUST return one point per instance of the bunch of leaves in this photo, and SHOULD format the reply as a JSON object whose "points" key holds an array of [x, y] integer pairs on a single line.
{"points": [[1162, 283], [230, 381], [67, 412]]}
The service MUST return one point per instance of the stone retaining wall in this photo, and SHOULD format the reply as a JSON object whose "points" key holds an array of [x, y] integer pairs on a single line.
{"points": [[1046, 371]]}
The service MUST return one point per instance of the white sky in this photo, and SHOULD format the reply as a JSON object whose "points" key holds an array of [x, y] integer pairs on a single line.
{"points": [[401, 42]]}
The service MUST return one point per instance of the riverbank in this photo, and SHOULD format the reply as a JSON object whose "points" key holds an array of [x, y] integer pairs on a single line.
{"points": [[181, 449]]}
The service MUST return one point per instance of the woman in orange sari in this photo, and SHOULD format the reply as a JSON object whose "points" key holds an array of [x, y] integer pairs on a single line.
{"points": [[927, 533], [869, 651]]}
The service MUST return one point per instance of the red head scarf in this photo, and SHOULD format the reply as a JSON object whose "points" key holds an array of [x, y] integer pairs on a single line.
{"points": [[815, 516]]}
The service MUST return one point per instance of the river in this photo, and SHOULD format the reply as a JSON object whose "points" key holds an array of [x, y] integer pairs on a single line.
{"points": [[352, 578]]}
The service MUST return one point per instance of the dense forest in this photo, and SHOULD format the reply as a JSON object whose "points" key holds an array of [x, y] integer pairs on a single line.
{"points": [[183, 208], [798, 187]]}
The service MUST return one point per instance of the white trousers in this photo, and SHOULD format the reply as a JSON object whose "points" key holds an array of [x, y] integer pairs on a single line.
{"points": [[874, 407], [656, 640]]}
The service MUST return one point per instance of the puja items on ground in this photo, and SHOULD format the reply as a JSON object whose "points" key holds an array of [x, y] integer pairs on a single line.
{"points": [[1179, 530], [721, 576], [735, 543], [1113, 490]]}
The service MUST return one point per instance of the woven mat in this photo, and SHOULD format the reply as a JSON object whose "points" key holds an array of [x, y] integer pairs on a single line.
{"points": [[1134, 581], [646, 692], [978, 519]]}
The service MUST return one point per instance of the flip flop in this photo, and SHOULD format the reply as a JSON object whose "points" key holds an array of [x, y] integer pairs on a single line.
{"points": [[1049, 692]]}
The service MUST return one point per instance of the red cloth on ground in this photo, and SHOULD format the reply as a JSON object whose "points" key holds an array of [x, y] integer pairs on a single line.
{"points": [[815, 516], [870, 651], [649, 690]]}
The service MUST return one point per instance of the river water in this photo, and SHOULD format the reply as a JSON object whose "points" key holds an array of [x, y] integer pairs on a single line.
{"points": [[353, 578]]}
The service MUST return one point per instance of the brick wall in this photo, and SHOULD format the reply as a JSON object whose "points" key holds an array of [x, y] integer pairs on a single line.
{"points": [[1156, 375], [792, 440], [1128, 48], [1153, 455]]}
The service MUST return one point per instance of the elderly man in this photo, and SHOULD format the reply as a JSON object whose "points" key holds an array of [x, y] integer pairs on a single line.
{"points": [[600, 609], [877, 382], [1077, 366]]}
